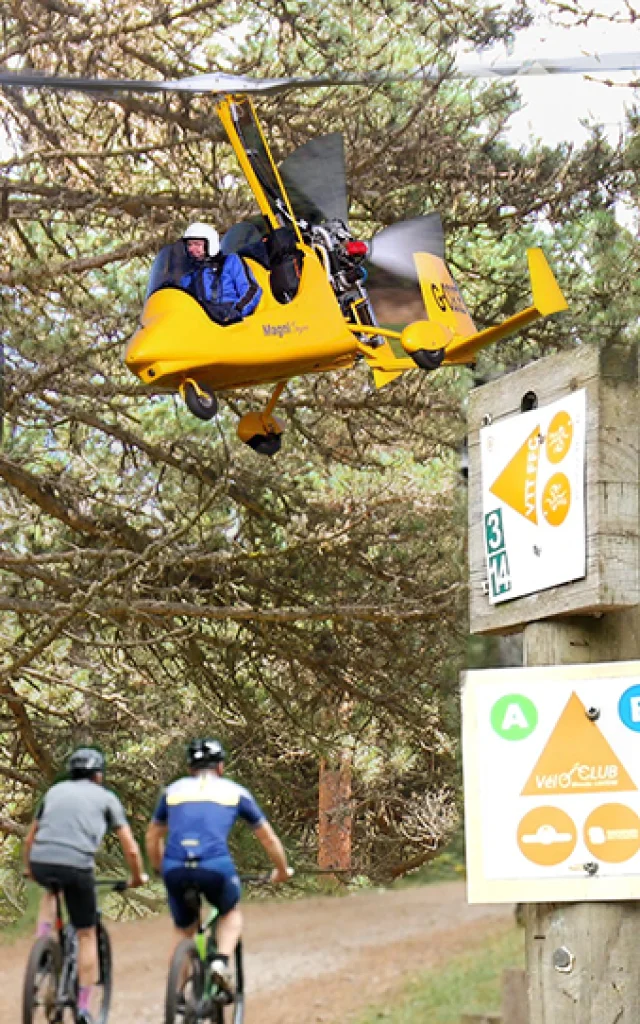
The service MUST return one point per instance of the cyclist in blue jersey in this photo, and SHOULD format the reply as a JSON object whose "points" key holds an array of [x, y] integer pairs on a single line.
{"points": [[187, 842]]}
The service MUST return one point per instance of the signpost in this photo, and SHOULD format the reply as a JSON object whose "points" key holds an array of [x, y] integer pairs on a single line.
{"points": [[552, 751], [554, 538], [552, 783], [533, 471]]}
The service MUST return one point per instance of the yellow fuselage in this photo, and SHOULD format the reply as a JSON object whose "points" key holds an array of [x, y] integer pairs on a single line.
{"points": [[178, 340]]}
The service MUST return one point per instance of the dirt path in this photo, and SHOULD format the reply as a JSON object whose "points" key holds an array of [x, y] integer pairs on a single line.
{"points": [[316, 960]]}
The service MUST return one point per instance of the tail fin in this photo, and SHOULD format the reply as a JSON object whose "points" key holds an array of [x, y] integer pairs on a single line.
{"points": [[444, 304], [547, 296], [442, 298]]}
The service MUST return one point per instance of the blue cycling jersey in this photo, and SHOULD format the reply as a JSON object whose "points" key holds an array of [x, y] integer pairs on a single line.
{"points": [[199, 812]]}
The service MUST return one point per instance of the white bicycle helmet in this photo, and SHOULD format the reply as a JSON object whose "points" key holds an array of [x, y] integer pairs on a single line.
{"points": [[208, 234]]}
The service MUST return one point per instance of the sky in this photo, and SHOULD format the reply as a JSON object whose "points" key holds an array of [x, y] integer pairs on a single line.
{"points": [[555, 105]]}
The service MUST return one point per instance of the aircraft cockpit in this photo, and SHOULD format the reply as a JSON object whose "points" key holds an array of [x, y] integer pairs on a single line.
{"points": [[169, 267]]}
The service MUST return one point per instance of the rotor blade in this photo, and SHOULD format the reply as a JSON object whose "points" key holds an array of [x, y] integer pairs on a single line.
{"points": [[596, 63], [392, 248], [315, 178], [221, 83]]}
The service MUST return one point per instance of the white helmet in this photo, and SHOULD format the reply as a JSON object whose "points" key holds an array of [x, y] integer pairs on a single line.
{"points": [[207, 234]]}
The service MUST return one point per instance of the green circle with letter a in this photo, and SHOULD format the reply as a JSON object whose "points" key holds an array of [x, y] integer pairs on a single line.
{"points": [[514, 717]]}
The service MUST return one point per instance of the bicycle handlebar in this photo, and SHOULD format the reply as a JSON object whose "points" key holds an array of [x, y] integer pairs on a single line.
{"points": [[263, 878], [117, 884]]}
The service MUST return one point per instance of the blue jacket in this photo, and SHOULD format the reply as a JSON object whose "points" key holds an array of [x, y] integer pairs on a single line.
{"points": [[234, 285]]}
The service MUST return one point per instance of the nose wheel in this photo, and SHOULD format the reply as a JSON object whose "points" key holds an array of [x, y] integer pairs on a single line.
{"points": [[199, 399], [265, 444], [262, 431], [428, 359]]}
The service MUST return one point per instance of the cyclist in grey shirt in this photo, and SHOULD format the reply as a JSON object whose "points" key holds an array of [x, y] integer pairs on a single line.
{"points": [[60, 850]]}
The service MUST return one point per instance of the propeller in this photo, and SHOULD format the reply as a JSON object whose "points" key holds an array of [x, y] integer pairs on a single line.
{"points": [[221, 83], [314, 176], [392, 248]]}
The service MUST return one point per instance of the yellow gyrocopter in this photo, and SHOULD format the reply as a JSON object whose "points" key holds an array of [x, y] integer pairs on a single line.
{"points": [[314, 315]]}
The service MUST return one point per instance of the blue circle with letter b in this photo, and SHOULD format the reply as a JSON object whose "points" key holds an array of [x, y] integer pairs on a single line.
{"points": [[629, 708]]}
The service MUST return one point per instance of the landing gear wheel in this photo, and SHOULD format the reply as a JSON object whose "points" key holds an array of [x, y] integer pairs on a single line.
{"points": [[265, 444], [428, 359], [202, 403]]}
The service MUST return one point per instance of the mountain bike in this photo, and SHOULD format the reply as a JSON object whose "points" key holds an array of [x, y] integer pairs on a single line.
{"points": [[51, 977], [192, 993]]}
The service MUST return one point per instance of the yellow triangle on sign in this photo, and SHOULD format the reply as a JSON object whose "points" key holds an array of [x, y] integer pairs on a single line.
{"points": [[516, 485], [577, 759]]}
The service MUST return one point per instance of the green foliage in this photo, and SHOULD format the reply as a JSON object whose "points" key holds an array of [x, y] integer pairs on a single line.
{"points": [[158, 579], [468, 983]]}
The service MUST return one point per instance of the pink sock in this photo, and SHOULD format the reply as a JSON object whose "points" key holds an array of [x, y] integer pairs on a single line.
{"points": [[44, 927], [84, 997]]}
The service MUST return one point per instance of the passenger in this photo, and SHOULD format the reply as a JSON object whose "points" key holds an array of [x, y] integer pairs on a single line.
{"points": [[223, 285]]}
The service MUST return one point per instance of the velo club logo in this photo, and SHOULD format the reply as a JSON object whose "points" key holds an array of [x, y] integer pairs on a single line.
{"points": [[517, 485]]}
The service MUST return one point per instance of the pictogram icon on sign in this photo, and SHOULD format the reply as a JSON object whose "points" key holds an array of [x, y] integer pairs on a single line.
{"points": [[612, 833], [514, 716], [629, 708], [556, 499], [547, 836], [559, 436]]}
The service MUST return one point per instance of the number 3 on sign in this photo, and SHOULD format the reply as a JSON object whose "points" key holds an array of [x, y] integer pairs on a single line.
{"points": [[497, 561], [493, 531]]}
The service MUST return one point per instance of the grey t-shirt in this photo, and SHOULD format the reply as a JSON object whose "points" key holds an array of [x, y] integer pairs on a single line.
{"points": [[72, 821]]}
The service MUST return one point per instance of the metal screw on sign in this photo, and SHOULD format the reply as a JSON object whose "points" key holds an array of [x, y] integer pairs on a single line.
{"points": [[487, 419], [563, 960], [529, 401], [593, 714], [591, 867]]}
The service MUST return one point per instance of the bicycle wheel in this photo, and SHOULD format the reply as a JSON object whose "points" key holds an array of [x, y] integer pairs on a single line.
{"points": [[185, 985], [41, 983], [101, 996], [238, 1002], [225, 1009]]}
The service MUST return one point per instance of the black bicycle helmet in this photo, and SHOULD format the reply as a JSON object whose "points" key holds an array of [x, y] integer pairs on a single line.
{"points": [[85, 762], [204, 753]]}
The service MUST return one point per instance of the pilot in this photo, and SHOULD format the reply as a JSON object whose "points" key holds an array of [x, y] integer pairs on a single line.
{"points": [[223, 285]]}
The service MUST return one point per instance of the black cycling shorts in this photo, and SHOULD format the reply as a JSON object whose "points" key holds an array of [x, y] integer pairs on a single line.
{"points": [[78, 887]]}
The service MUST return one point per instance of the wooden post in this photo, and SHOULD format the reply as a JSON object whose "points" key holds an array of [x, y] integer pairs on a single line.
{"points": [[582, 958], [612, 581]]}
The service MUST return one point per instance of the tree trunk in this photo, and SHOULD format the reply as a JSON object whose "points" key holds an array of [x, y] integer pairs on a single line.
{"points": [[335, 814]]}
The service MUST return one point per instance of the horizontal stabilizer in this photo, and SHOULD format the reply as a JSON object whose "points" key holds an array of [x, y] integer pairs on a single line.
{"points": [[547, 299]]}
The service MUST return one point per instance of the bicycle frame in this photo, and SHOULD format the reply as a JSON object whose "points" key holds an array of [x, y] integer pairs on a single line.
{"points": [[65, 934], [205, 942]]}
